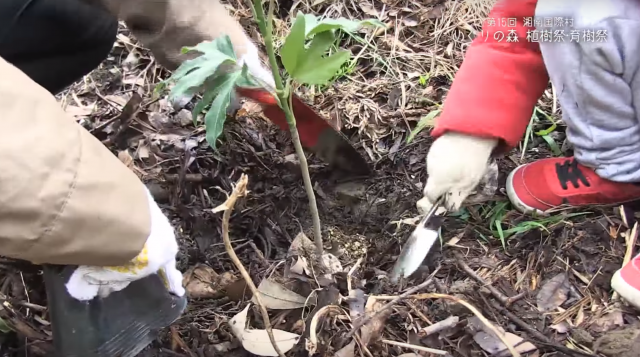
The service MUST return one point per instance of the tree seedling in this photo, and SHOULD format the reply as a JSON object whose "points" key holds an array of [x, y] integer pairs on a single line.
{"points": [[304, 55]]}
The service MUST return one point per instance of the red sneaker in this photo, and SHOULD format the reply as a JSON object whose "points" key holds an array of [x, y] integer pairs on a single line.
{"points": [[626, 282], [564, 183]]}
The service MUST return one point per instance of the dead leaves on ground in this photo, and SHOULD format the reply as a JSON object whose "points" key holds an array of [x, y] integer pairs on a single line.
{"points": [[303, 262], [277, 297], [257, 341], [489, 342], [202, 282], [553, 293]]}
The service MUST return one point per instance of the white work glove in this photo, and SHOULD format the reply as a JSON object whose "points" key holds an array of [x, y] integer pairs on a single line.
{"points": [[456, 163], [252, 59], [157, 256]]}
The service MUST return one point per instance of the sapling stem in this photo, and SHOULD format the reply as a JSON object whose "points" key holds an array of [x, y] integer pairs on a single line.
{"points": [[283, 99]]}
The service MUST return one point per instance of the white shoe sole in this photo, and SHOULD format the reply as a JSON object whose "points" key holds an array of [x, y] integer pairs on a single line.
{"points": [[626, 291], [515, 200]]}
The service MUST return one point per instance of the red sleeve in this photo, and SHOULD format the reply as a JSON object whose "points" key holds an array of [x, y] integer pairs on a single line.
{"points": [[499, 82]]}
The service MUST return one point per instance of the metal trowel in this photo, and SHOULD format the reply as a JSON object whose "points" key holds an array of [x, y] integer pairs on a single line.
{"points": [[122, 324], [417, 246], [316, 133]]}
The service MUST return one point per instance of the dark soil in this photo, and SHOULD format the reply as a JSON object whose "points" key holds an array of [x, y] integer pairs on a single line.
{"points": [[358, 214]]}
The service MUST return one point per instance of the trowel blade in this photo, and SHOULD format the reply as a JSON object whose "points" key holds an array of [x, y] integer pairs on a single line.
{"points": [[122, 324], [413, 253], [316, 133]]}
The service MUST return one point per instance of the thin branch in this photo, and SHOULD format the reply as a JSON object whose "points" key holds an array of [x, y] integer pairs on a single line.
{"points": [[415, 347], [283, 99], [535, 334], [505, 300], [240, 190], [364, 320], [471, 308]]}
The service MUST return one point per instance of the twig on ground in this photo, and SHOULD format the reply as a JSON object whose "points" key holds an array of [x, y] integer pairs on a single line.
{"points": [[177, 340], [471, 308], [506, 301], [407, 113], [363, 346], [313, 333], [259, 254], [415, 347], [441, 325], [351, 271], [417, 311], [542, 339], [361, 322], [240, 190]]}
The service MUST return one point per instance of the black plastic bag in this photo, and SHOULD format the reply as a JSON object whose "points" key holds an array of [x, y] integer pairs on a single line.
{"points": [[122, 324]]}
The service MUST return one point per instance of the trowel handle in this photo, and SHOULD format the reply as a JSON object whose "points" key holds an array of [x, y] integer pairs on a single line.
{"points": [[431, 212]]}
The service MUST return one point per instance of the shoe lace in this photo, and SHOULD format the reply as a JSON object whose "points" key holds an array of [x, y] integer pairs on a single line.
{"points": [[570, 172]]}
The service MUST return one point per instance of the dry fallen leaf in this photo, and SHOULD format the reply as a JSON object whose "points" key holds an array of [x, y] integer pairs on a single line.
{"points": [[368, 9], [348, 350], [562, 327], [249, 108], [436, 11], [474, 324], [372, 329], [126, 158], [410, 21], [80, 111], [304, 247], [493, 345], [257, 341], [120, 100], [277, 297], [301, 245], [608, 322], [553, 293], [202, 282], [300, 267]]}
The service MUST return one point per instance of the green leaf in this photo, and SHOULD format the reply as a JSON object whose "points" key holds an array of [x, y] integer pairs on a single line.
{"points": [[313, 68], [547, 131], [552, 145], [308, 66], [212, 88], [319, 45], [427, 120], [217, 114], [292, 50], [191, 74], [321, 70]]}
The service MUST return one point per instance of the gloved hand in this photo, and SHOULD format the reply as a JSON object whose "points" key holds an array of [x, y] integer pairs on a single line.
{"points": [[252, 59], [157, 256], [456, 163]]}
